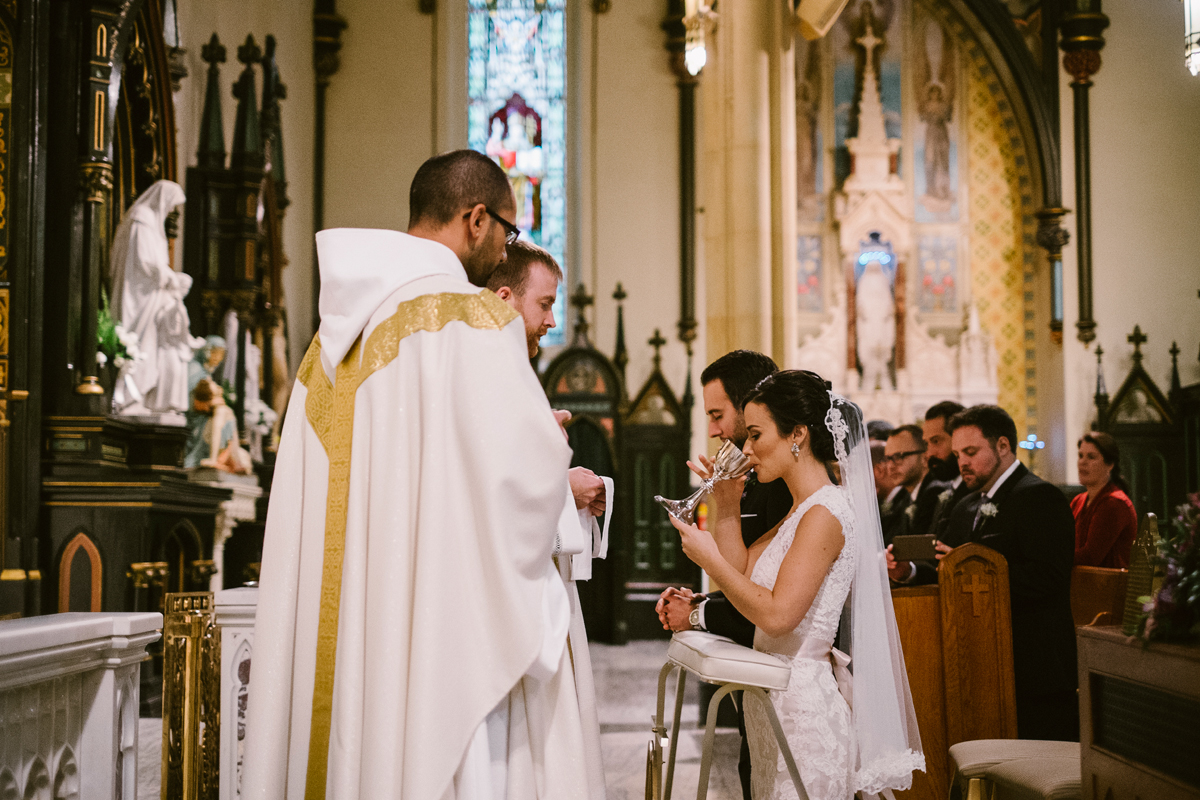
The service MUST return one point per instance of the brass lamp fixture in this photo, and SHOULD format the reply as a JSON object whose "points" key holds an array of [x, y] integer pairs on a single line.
{"points": [[697, 16]]}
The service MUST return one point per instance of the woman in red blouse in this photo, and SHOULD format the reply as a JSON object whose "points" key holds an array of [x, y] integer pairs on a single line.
{"points": [[1105, 522]]}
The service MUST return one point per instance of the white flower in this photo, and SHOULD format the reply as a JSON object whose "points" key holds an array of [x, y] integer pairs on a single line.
{"points": [[101, 359], [125, 337], [988, 509], [119, 361], [911, 512], [945, 496]]}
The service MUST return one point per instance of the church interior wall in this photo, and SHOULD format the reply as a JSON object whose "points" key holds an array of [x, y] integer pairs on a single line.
{"points": [[1145, 170], [291, 24]]}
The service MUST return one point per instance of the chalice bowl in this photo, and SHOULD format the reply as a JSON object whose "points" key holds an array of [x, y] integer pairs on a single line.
{"points": [[730, 462]]}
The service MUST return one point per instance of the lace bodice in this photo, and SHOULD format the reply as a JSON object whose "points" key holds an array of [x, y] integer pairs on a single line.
{"points": [[820, 624]]}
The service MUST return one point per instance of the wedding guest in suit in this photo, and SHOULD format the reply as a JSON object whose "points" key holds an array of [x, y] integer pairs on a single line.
{"points": [[1105, 521], [943, 467], [907, 454], [883, 473], [1028, 521], [727, 383]]}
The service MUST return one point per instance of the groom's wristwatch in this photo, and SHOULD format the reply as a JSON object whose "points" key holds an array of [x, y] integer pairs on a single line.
{"points": [[694, 619]]}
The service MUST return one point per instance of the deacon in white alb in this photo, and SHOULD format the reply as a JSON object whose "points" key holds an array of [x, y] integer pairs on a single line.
{"points": [[410, 638]]}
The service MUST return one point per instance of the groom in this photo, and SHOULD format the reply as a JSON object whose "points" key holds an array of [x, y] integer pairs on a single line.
{"points": [[727, 383]]}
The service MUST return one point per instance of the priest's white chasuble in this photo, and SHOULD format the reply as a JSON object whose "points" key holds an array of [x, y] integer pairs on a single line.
{"points": [[411, 630]]}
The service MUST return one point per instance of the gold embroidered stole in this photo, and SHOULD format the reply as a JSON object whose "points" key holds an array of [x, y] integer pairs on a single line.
{"points": [[330, 412]]}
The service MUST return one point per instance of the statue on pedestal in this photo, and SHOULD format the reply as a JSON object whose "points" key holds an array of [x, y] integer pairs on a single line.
{"points": [[875, 327], [212, 427], [147, 300]]}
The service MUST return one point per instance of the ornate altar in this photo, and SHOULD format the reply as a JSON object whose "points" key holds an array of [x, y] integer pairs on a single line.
{"points": [[1159, 434]]}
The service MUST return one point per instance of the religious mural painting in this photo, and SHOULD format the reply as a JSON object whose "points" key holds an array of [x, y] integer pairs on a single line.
{"points": [[884, 19], [810, 288], [935, 80], [943, 176], [516, 78]]}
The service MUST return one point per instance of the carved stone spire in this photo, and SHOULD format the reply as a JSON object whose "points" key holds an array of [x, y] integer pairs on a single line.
{"points": [[247, 139], [211, 152], [874, 153]]}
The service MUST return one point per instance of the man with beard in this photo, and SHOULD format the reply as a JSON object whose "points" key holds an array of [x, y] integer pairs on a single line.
{"points": [[412, 628], [1029, 522], [727, 383], [943, 467]]}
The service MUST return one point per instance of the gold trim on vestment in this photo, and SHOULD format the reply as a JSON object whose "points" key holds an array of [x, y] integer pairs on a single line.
{"points": [[330, 411]]}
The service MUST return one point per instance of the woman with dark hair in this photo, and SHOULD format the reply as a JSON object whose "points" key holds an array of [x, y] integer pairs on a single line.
{"points": [[793, 584], [1105, 522]]}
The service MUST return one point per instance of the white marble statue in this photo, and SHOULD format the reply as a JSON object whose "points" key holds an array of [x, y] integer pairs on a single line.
{"points": [[875, 328], [147, 299], [977, 358]]}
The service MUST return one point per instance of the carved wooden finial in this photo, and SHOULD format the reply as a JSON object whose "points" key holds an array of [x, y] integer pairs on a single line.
{"points": [[1137, 339], [213, 53], [249, 52], [657, 341], [1176, 385], [580, 299], [620, 353]]}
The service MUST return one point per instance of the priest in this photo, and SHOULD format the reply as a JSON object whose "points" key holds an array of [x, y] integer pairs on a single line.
{"points": [[411, 627]]}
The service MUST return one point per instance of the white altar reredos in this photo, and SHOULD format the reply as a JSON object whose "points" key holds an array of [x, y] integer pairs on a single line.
{"points": [[916, 264]]}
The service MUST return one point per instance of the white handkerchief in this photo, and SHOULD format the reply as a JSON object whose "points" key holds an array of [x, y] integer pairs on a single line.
{"points": [[581, 563]]}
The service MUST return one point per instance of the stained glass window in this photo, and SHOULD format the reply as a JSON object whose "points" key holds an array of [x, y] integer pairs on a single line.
{"points": [[938, 260], [516, 78], [809, 292]]}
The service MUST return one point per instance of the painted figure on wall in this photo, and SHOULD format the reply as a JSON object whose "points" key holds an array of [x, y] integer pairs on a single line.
{"points": [[934, 68], [808, 130]]}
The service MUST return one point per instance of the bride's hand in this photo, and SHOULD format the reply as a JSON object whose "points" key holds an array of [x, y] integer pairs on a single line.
{"points": [[698, 545], [704, 469]]}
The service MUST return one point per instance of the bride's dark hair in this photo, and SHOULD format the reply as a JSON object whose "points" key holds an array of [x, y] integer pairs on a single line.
{"points": [[795, 397]]}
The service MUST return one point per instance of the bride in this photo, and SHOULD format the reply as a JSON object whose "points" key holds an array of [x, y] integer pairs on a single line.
{"points": [[793, 584]]}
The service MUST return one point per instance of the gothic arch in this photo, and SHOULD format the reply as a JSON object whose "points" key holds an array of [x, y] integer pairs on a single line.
{"points": [[181, 546], [37, 781], [80, 541], [66, 777]]}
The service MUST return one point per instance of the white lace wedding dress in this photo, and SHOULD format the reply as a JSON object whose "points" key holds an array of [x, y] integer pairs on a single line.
{"points": [[816, 719]]}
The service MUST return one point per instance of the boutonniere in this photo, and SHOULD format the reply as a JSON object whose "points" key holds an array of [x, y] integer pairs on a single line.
{"points": [[886, 509], [988, 509], [911, 512], [945, 496]]}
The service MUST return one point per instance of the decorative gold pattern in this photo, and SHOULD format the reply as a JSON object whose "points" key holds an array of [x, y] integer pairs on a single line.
{"points": [[330, 412], [191, 697], [95, 178]]}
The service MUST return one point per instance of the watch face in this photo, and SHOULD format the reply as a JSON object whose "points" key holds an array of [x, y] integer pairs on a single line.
{"points": [[694, 618]]}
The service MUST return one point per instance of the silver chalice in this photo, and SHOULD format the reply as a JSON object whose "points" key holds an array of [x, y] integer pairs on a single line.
{"points": [[730, 462]]}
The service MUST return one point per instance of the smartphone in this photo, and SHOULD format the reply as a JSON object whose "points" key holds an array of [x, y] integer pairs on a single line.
{"points": [[913, 548]]}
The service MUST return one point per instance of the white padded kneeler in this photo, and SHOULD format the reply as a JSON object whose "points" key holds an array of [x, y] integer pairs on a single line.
{"points": [[718, 659]]}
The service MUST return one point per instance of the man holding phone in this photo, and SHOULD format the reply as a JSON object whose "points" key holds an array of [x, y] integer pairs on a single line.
{"points": [[907, 458]]}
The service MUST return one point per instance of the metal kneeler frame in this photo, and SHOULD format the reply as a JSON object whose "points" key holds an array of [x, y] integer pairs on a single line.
{"points": [[656, 788]]}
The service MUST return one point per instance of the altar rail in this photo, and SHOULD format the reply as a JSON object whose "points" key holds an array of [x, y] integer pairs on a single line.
{"points": [[69, 695]]}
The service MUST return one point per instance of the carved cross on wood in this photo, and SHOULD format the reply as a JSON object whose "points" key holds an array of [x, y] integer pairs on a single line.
{"points": [[581, 300], [975, 589]]}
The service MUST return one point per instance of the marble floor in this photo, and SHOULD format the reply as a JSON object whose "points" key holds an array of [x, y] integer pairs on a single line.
{"points": [[626, 689]]}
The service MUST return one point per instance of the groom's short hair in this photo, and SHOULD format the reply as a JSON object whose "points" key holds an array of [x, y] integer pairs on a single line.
{"points": [[993, 422], [445, 185], [739, 371], [514, 272]]}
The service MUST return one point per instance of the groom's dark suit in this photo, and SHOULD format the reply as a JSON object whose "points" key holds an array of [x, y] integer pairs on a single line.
{"points": [[1035, 532]]}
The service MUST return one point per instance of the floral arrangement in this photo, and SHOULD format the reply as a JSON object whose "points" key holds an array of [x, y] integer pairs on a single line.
{"points": [[1174, 613], [114, 342]]}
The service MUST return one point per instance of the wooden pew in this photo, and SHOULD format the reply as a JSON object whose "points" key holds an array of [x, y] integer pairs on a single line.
{"points": [[957, 640], [1098, 595]]}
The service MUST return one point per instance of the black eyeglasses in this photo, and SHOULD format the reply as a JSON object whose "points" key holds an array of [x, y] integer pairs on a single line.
{"points": [[896, 458], [511, 232]]}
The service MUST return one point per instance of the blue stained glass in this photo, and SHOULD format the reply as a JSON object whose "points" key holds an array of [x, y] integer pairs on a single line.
{"points": [[516, 83]]}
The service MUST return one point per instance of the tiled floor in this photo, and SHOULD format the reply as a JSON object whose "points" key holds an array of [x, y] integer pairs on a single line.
{"points": [[626, 689], [626, 692]]}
